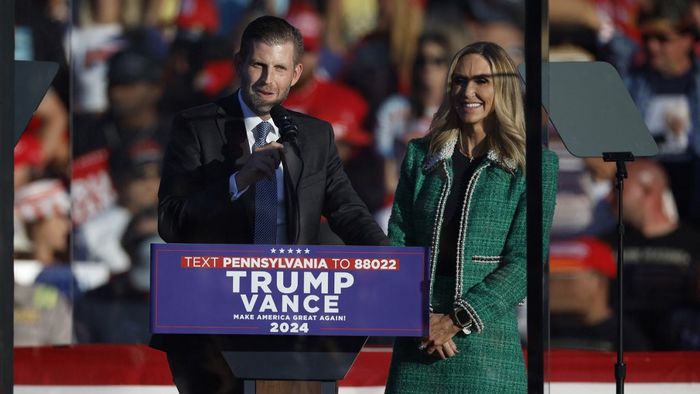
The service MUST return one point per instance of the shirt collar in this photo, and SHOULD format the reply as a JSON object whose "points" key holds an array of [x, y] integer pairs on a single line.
{"points": [[251, 119], [448, 149]]}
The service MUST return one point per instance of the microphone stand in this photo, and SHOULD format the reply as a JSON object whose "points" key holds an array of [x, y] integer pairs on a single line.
{"points": [[619, 158]]}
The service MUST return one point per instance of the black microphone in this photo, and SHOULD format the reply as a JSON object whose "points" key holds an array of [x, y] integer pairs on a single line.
{"points": [[288, 128], [288, 134]]}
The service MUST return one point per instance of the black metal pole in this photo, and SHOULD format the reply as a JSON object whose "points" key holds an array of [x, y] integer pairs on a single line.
{"points": [[7, 143], [620, 368], [621, 173], [536, 38]]}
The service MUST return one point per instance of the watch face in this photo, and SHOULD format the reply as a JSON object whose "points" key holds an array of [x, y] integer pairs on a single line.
{"points": [[462, 316]]}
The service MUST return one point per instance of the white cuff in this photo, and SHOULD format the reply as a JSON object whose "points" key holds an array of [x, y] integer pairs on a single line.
{"points": [[233, 189]]}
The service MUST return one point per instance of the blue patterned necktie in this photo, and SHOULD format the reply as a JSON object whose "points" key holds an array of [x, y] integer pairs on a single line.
{"points": [[265, 196]]}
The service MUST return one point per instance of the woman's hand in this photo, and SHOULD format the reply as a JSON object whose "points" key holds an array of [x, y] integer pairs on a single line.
{"points": [[439, 341]]}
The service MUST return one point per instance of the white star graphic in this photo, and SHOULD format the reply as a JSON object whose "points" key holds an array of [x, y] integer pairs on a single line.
{"points": [[307, 251], [290, 250], [273, 250], [298, 251]]}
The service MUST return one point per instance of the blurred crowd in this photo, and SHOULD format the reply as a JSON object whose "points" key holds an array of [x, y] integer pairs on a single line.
{"points": [[87, 168]]}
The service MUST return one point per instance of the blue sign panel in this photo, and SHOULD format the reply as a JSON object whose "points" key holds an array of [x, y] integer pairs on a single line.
{"points": [[288, 290]]}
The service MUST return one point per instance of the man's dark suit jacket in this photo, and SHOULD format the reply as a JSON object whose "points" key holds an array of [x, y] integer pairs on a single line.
{"points": [[209, 143]]}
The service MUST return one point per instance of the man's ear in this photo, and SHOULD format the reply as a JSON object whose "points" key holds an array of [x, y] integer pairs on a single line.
{"points": [[298, 68]]}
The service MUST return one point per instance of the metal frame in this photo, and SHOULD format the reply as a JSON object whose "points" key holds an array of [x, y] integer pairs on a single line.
{"points": [[536, 52], [7, 143], [536, 55]]}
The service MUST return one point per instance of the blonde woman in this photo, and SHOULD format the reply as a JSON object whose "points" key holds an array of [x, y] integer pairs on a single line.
{"points": [[461, 192]]}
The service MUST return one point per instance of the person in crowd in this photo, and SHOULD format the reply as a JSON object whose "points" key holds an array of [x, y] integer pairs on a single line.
{"points": [[663, 78], [380, 64], [337, 104], [48, 128], [461, 192], [198, 18], [92, 43], [402, 118], [28, 161], [347, 22], [134, 94], [118, 311], [222, 167], [498, 21], [662, 86], [662, 254], [135, 173], [360, 162], [42, 316], [40, 34], [314, 94], [215, 71], [694, 19], [195, 72], [582, 271], [43, 206], [583, 204]]}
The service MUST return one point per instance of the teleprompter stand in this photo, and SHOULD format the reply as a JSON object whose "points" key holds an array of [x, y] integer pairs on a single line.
{"points": [[595, 117], [620, 174]]}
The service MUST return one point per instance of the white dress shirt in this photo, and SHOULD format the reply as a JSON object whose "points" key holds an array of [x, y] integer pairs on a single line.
{"points": [[251, 120]]}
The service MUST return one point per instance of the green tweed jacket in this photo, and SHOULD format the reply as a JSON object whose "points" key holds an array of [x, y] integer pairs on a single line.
{"points": [[491, 270]]}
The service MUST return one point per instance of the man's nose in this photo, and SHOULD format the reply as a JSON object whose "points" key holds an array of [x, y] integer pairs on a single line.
{"points": [[265, 76], [653, 45]]}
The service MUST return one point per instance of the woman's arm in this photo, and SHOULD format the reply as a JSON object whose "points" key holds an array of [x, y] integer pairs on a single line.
{"points": [[505, 287]]}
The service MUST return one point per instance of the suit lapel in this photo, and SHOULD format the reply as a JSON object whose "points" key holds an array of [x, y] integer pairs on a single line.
{"points": [[292, 163], [292, 173]]}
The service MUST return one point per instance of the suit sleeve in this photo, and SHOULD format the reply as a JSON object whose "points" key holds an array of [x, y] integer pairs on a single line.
{"points": [[189, 206], [400, 222], [347, 215], [505, 287]]}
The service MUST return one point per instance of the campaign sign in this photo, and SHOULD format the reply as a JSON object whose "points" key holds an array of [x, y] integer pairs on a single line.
{"points": [[288, 290]]}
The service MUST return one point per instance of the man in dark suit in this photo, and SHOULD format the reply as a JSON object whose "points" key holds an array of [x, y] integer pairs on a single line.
{"points": [[226, 179]]}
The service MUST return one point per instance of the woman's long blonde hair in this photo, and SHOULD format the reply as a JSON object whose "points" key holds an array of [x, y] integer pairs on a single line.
{"points": [[508, 137]]}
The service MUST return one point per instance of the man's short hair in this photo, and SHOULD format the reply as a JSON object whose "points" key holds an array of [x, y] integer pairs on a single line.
{"points": [[272, 31], [668, 15], [133, 66]]}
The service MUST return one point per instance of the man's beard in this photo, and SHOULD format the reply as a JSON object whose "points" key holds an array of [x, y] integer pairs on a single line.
{"points": [[261, 107]]}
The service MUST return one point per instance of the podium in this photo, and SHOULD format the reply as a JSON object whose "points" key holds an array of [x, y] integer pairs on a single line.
{"points": [[291, 319], [294, 364]]}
